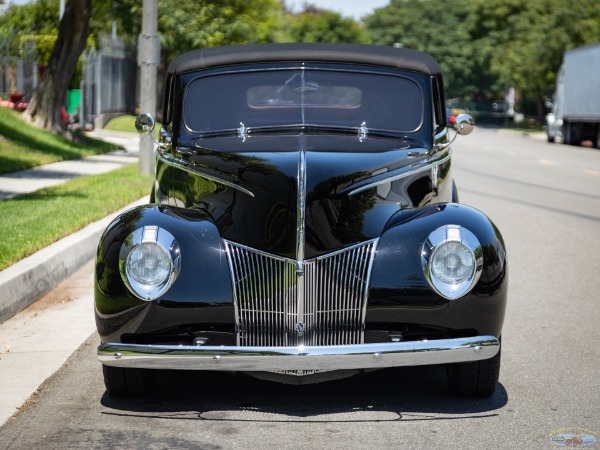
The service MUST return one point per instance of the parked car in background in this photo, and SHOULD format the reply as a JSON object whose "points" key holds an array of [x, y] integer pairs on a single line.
{"points": [[452, 114], [450, 117], [304, 226]]}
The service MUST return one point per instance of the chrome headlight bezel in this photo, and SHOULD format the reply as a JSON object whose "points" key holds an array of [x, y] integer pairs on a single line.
{"points": [[447, 235], [165, 242]]}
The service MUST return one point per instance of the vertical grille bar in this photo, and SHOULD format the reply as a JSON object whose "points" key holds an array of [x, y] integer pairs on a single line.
{"points": [[266, 299]]}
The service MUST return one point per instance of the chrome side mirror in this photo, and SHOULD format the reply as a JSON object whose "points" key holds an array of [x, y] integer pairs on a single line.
{"points": [[145, 123], [464, 124]]}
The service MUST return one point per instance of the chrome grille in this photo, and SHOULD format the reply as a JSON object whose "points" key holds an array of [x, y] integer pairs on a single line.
{"points": [[328, 309]]}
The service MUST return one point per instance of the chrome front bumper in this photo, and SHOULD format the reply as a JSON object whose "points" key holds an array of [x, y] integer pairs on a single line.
{"points": [[272, 359]]}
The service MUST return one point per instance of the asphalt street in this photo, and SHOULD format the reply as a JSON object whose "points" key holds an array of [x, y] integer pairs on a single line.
{"points": [[545, 199]]}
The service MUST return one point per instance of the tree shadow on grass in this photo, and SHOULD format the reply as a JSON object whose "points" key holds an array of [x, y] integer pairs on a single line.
{"points": [[45, 194], [9, 164], [54, 144]]}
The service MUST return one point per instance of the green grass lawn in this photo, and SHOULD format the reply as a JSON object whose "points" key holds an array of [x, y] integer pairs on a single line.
{"points": [[33, 221], [122, 123], [23, 146], [125, 123]]}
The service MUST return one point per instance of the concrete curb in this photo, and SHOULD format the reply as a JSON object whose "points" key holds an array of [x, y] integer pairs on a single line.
{"points": [[30, 278]]}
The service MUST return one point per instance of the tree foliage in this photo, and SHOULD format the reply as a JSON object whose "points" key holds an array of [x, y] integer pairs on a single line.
{"points": [[183, 25], [485, 47], [433, 27], [188, 24], [320, 25], [26, 22], [44, 43], [39, 17]]}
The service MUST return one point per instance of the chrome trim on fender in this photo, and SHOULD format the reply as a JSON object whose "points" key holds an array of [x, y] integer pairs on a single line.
{"points": [[405, 172], [189, 167], [269, 359]]}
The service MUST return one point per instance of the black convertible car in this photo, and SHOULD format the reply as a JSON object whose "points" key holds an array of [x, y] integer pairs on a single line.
{"points": [[303, 226]]}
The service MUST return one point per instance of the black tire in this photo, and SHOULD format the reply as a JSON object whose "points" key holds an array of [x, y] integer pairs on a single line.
{"points": [[550, 138], [124, 382], [474, 379], [572, 133], [566, 133]]}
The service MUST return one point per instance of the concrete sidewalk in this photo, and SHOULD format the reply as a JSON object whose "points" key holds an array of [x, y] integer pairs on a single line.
{"points": [[37, 341], [30, 180]]}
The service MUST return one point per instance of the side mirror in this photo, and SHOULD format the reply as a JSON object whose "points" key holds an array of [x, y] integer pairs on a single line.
{"points": [[464, 124], [145, 123]]}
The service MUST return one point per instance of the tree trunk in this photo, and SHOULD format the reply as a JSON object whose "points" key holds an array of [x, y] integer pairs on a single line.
{"points": [[44, 109]]}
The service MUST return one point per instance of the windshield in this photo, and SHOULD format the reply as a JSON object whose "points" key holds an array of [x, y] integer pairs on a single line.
{"points": [[293, 97]]}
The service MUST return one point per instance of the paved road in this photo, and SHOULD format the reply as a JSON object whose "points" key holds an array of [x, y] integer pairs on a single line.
{"points": [[546, 200]]}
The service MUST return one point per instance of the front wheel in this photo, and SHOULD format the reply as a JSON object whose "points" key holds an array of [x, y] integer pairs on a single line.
{"points": [[474, 379], [125, 382]]}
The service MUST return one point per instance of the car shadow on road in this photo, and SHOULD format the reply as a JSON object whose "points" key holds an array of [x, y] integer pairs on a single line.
{"points": [[407, 394]]}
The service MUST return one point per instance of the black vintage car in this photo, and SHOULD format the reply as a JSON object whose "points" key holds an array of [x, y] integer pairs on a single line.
{"points": [[303, 226]]}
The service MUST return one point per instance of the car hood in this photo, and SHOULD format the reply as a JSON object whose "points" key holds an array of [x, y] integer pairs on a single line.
{"points": [[262, 190]]}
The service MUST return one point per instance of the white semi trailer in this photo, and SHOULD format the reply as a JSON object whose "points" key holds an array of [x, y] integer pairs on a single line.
{"points": [[575, 115]]}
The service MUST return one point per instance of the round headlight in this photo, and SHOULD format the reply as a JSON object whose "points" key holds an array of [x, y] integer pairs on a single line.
{"points": [[149, 261], [452, 261], [149, 264]]}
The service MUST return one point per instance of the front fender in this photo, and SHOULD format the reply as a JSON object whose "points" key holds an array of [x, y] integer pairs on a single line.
{"points": [[202, 292], [399, 292]]}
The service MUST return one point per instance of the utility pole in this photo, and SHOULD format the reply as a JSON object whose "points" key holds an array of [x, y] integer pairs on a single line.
{"points": [[148, 59]]}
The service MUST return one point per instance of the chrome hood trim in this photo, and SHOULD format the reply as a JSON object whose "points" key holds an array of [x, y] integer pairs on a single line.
{"points": [[186, 166], [430, 164], [301, 240], [353, 189]]}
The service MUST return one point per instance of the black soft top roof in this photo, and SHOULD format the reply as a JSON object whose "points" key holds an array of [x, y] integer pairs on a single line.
{"points": [[401, 58]]}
